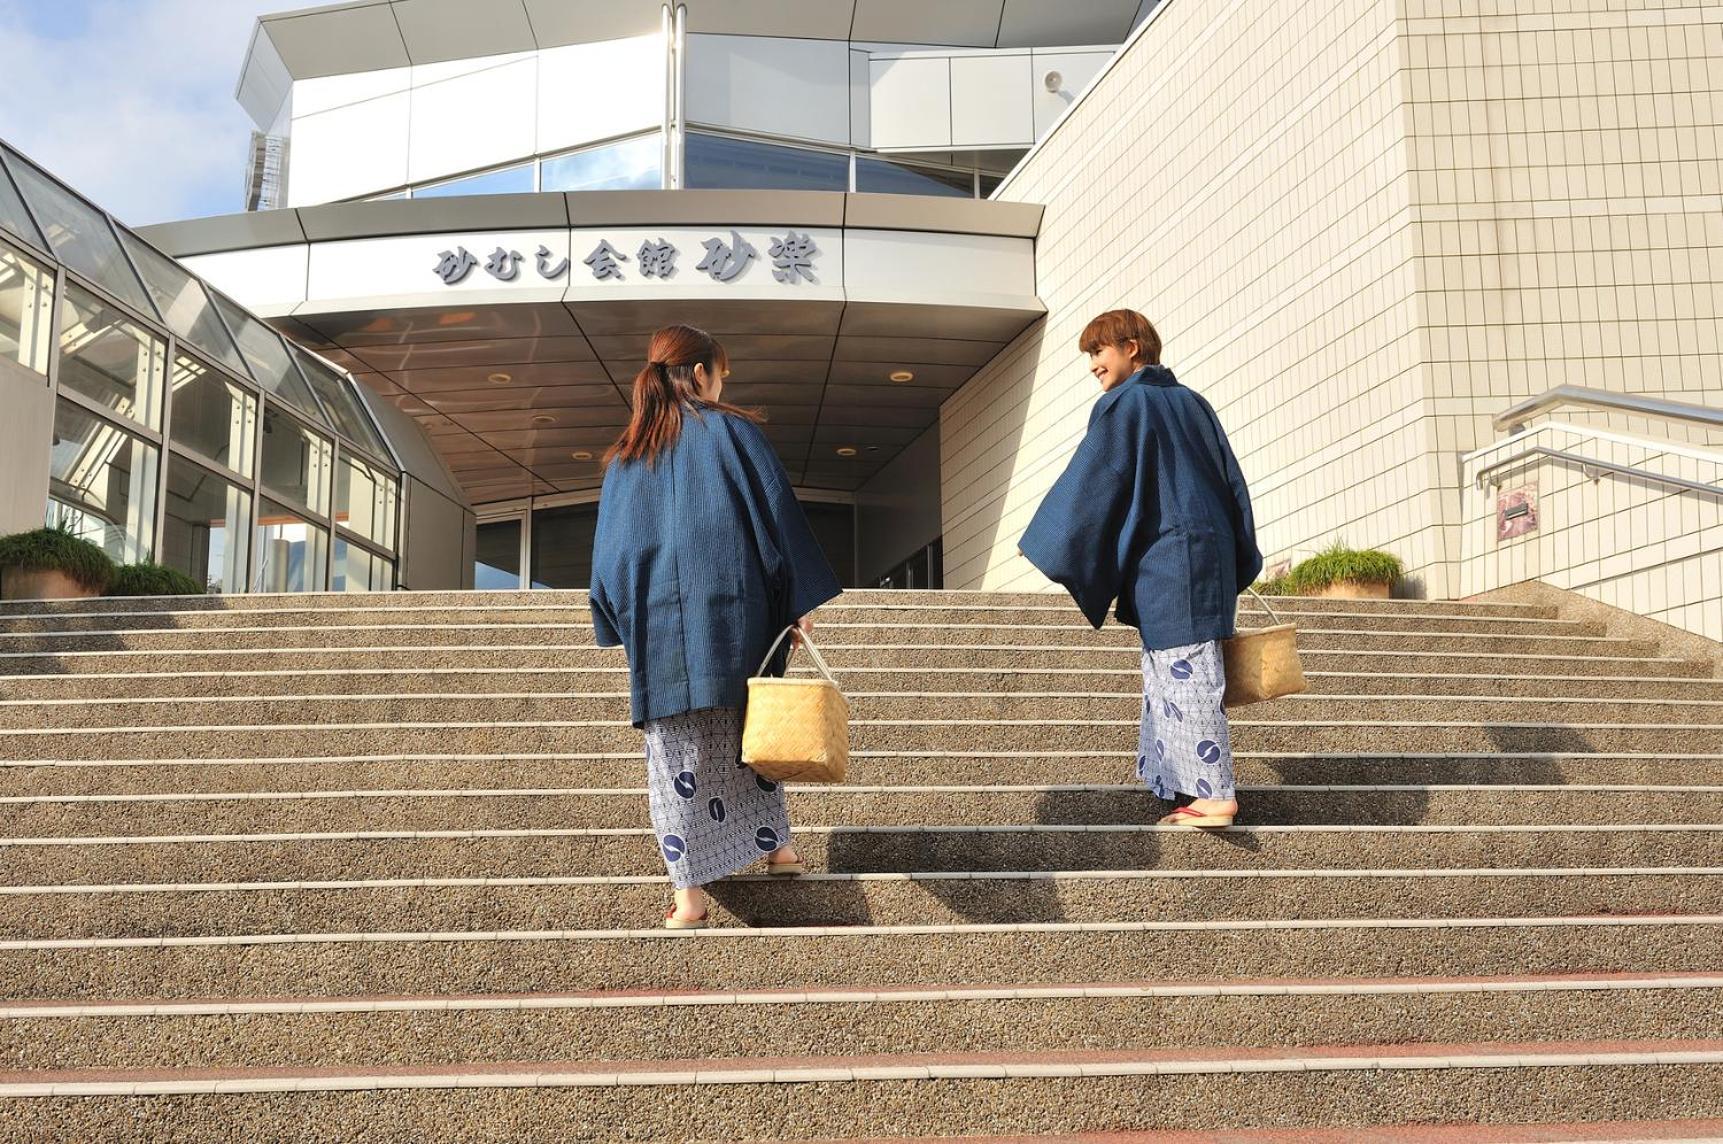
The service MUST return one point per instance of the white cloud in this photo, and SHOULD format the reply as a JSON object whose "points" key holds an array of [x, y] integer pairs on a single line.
{"points": [[131, 101]]}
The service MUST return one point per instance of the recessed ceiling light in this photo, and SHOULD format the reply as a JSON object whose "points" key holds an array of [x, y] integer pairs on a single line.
{"points": [[901, 375], [499, 378], [582, 455], [544, 419], [846, 450]]}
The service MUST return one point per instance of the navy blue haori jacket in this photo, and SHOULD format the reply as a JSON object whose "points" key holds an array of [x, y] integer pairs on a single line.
{"points": [[1153, 511], [701, 560]]}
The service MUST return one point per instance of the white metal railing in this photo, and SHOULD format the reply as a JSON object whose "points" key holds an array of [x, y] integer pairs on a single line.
{"points": [[1515, 417]]}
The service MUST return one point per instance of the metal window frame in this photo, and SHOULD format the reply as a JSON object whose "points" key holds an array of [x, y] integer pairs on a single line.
{"points": [[222, 473], [149, 437], [70, 278]]}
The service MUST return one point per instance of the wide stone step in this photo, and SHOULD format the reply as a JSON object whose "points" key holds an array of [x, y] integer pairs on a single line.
{"points": [[1003, 680], [16, 666], [851, 806], [567, 903], [227, 741], [542, 598], [571, 851], [456, 772], [454, 961], [875, 635], [863, 706], [933, 620], [858, 1019], [786, 1098]]}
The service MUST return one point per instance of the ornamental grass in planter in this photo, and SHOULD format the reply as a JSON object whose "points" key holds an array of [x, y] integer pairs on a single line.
{"points": [[1347, 573], [153, 580], [52, 564]]}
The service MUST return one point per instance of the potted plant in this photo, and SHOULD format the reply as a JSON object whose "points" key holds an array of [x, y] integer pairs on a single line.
{"points": [[51, 564], [153, 580], [1347, 573]]}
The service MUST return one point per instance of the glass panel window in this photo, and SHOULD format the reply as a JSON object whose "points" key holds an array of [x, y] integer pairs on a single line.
{"points": [[562, 546], [183, 304], [509, 181], [208, 530], [291, 551], [497, 567], [882, 178], [106, 356], [341, 402], [102, 484], [14, 217], [212, 415], [26, 310], [357, 570], [713, 161], [267, 356], [631, 165], [990, 183], [296, 462], [78, 234], [366, 500]]}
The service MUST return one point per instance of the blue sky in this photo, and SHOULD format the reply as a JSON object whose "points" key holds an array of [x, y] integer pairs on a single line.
{"points": [[131, 101]]}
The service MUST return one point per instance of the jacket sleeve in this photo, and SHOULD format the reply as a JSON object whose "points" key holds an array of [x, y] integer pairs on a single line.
{"points": [[603, 613], [803, 577], [1077, 536]]}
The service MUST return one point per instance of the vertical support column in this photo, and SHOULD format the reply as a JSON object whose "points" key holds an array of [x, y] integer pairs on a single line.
{"points": [[666, 151], [679, 129]]}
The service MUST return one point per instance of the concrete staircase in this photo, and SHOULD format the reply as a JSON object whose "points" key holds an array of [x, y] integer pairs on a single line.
{"points": [[317, 865]]}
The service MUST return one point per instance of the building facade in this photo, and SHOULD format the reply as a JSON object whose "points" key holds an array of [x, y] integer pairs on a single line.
{"points": [[165, 422]]}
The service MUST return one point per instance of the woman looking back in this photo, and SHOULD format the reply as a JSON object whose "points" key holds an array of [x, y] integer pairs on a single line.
{"points": [[701, 559]]}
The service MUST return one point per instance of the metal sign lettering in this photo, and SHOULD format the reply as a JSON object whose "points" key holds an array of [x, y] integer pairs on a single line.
{"points": [[792, 259]]}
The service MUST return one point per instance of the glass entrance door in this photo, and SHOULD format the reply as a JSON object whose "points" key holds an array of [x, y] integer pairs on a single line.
{"points": [[501, 552]]}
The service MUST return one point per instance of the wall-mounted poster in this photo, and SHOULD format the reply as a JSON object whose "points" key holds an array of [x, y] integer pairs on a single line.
{"points": [[1516, 512]]}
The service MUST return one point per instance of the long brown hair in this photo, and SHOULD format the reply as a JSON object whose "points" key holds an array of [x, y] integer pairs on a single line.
{"points": [[665, 387]]}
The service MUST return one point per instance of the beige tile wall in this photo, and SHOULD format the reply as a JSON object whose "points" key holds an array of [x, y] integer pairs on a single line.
{"points": [[1240, 177], [1364, 228], [1636, 544]]}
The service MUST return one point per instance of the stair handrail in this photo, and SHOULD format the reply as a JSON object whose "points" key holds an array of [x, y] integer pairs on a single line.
{"points": [[1592, 466], [1514, 418]]}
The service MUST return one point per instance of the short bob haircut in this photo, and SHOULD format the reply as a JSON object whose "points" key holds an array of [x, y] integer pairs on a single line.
{"points": [[1115, 328]]}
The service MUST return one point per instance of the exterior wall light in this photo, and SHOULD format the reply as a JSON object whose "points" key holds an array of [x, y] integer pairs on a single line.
{"points": [[1054, 81], [901, 375]]}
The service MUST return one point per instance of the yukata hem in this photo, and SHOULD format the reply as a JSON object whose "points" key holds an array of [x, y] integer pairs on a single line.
{"points": [[1165, 637]]}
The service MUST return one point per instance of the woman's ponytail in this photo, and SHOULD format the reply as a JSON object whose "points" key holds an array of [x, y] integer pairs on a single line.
{"points": [[664, 386]]}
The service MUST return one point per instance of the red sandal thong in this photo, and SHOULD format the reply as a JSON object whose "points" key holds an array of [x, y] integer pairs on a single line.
{"points": [[1185, 816]]}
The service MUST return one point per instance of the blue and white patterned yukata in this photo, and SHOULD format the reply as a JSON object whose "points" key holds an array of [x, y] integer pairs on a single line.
{"points": [[712, 814], [1184, 747]]}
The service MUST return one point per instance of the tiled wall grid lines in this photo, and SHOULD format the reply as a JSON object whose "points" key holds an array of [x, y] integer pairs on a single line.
{"points": [[1364, 230], [1650, 548]]}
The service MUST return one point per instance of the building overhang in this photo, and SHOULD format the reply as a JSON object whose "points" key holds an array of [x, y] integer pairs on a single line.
{"points": [[515, 365]]}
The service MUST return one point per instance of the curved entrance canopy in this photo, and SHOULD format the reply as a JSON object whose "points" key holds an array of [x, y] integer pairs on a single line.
{"points": [[512, 326]]}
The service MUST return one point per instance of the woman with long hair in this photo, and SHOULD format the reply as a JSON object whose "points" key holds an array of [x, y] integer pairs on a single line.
{"points": [[701, 560]]}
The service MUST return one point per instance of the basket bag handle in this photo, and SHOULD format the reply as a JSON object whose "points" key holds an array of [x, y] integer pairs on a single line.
{"points": [[1272, 618], [813, 653]]}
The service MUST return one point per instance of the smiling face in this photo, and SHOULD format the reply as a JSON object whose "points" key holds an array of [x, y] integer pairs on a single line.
{"points": [[1112, 365]]}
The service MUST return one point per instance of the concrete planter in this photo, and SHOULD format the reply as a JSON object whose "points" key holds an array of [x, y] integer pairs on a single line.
{"points": [[1354, 590], [41, 584]]}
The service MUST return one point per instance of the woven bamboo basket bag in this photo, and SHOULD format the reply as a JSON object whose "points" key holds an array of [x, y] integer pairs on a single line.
{"points": [[1262, 663], [796, 730]]}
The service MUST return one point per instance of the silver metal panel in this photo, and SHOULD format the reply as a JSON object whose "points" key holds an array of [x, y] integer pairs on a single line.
{"points": [[906, 350], [418, 458], [740, 347], [440, 30], [927, 374], [721, 317], [225, 232], [434, 557], [964, 23], [430, 216], [26, 433], [492, 354], [951, 216], [977, 323], [1032, 23], [334, 41], [503, 383], [556, 23], [394, 326], [810, 19], [897, 511], [872, 397], [770, 85], [534, 406]]}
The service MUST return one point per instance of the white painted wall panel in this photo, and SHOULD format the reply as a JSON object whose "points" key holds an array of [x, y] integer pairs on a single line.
{"points": [[349, 151], [795, 88], [911, 102], [473, 121], [990, 101], [962, 269], [311, 96], [594, 91], [1075, 69]]}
